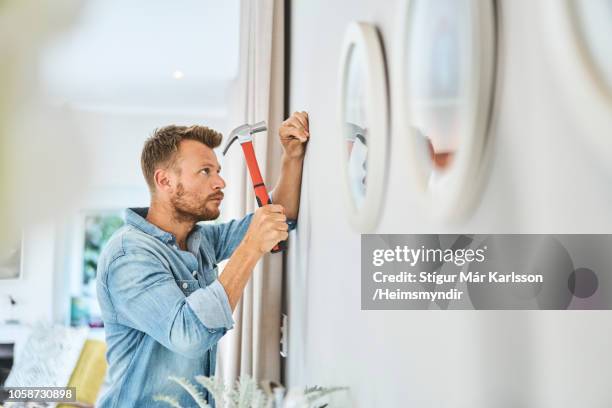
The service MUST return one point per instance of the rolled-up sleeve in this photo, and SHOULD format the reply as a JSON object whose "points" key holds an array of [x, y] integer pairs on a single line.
{"points": [[212, 306], [146, 297]]}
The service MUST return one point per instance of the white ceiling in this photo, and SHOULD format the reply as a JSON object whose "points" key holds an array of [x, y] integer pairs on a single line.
{"points": [[124, 55]]}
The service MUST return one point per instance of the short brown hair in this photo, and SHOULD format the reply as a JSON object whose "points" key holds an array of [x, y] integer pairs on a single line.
{"points": [[161, 147]]}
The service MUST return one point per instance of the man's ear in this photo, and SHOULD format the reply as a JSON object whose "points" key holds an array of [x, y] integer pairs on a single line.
{"points": [[163, 180]]}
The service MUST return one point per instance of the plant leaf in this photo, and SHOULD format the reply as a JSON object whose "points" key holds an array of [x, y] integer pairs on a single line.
{"points": [[320, 392], [246, 387], [215, 387], [314, 388], [168, 400], [260, 400], [197, 396]]}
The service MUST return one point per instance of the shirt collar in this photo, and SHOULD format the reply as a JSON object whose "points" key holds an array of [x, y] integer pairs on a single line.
{"points": [[137, 217]]}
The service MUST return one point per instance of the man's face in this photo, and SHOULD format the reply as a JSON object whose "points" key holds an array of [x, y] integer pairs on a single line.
{"points": [[196, 184]]}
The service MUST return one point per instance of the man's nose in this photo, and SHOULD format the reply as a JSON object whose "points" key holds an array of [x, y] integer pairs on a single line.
{"points": [[218, 183]]}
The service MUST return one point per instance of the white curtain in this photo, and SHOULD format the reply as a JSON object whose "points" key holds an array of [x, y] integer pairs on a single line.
{"points": [[252, 347]]}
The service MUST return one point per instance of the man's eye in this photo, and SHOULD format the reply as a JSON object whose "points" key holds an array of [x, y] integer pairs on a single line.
{"points": [[206, 170]]}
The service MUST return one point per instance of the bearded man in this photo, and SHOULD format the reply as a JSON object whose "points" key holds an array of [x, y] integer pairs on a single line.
{"points": [[163, 303]]}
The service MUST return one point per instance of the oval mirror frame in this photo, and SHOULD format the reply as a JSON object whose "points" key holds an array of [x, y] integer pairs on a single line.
{"points": [[454, 193], [364, 218]]}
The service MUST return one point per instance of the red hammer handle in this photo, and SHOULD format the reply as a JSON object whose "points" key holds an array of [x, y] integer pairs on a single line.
{"points": [[261, 193]]}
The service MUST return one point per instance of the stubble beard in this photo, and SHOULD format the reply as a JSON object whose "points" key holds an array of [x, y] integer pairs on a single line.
{"points": [[190, 208]]}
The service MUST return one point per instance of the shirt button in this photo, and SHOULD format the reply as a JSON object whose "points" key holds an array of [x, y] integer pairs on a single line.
{"points": [[185, 285], [212, 331], [195, 273]]}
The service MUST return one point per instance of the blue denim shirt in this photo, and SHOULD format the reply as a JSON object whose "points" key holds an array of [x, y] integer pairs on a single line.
{"points": [[163, 308]]}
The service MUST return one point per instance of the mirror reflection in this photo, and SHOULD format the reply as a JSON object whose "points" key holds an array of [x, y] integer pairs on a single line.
{"points": [[355, 124], [439, 57]]}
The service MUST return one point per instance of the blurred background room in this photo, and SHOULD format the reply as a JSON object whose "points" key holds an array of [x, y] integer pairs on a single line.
{"points": [[503, 125]]}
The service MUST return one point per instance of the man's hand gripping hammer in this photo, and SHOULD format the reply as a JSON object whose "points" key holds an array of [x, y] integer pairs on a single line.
{"points": [[244, 135]]}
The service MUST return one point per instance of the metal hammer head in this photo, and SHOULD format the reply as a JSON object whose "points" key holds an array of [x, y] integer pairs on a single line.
{"points": [[244, 134]]}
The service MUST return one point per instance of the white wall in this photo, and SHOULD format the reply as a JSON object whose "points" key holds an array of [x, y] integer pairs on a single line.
{"points": [[32, 291], [543, 178]]}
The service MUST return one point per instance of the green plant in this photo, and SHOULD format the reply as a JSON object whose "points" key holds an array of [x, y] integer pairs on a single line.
{"points": [[244, 394], [98, 230]]}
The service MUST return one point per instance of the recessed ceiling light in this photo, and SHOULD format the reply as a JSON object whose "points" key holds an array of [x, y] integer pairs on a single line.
{"points": [[178, 74]]}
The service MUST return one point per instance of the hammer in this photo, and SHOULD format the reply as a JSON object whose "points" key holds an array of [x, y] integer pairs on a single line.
{"points": [[244, 135]]}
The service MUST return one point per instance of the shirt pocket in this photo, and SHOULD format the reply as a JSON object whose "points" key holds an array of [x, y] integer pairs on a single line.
{"points": [[188, 286], [211, 274]]}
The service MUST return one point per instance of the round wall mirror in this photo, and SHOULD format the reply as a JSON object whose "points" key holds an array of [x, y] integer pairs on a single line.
{"points": [[363, 124], [445, 88]]}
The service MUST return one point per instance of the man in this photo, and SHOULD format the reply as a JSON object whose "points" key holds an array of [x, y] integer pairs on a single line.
{"points": [[163, 304]]}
